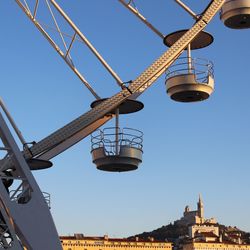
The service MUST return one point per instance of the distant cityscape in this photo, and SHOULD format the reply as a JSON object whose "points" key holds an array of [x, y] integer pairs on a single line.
{"points": [[191, 232]]}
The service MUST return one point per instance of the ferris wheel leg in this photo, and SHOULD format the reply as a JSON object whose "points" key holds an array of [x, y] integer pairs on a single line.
{"points": [[25, 215]]}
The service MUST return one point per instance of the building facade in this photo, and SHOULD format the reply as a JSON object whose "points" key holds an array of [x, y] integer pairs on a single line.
{"points": [[214, 246], [80, 242], [199, 229]]}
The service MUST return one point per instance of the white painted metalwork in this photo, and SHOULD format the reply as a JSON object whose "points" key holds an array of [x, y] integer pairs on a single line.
{"points": [[117, 131], [141, 17], [60, 33], [47, 199], [235, 14], [117, 150], [16, 213], [111, 137], [65, 52], [201, 68], [187, 9], [189, 58], [190, 79], [84, 125], [32, 15], [85, 40], [136, 12]]}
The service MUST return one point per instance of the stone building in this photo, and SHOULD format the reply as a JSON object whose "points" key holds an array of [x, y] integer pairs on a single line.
{"points": [[197, 231], [214, 246], [204, 234], [80, 242], [195, 216]]}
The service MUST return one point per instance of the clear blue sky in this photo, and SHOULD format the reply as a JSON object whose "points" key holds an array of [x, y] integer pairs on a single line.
{"points": [[188, 148]]}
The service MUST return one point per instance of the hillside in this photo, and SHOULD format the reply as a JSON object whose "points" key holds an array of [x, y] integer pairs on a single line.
{"points": [[173, 232]]}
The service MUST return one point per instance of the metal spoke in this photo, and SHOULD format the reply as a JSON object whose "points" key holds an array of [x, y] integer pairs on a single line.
{"points": [[87, 42], [141, 17], [59, 31], [42, 29], [187, 9]]}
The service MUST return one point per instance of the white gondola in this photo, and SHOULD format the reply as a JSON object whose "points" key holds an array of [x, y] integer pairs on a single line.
{"points": [[235, 14], [115, 149], [189, 79]]}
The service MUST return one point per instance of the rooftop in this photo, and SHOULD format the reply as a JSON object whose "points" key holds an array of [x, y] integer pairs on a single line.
{"points": [[106, 238]]}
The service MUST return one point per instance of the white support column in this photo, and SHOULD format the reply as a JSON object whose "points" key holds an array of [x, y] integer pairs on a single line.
{"points": [[189, 58], [117, 131], [187, 9]]}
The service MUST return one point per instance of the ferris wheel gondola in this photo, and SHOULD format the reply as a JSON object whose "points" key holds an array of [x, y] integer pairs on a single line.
{"points": [[235, 14]]}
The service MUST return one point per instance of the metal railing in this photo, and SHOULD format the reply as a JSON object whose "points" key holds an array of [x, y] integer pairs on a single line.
{"points": [[22, 195], [109, 140], [199, 67], [47, 199]]}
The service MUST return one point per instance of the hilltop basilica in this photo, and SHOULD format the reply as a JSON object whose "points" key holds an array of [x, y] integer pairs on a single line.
{"points": [[196, 216]]}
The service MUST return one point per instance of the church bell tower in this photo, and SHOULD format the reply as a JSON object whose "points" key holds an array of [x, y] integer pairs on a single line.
{"points": [[200, 207]]}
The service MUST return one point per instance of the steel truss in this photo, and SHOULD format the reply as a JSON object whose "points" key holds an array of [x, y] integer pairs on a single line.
{"points": [[25, 219]]}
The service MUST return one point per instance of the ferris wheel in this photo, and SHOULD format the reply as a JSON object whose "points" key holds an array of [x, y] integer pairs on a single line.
{"points": [[113, 149]]}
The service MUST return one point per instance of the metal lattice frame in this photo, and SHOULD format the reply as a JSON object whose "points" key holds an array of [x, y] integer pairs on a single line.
{"points": [[65, 49], [88, 122]]}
